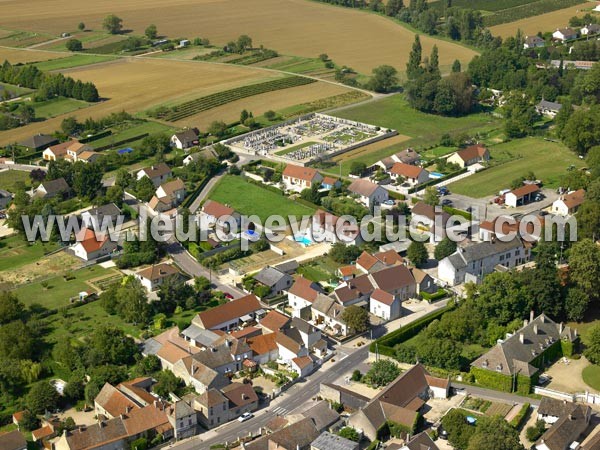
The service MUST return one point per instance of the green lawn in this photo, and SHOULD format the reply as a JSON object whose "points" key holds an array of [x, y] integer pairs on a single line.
{"points": [[548, 160], [57, 106], [591, 376], [15, 252], [424, 129], [15, 90], [297, 64], [294, 148], [72, 61], [10, 178], [130, 130], [436, 152], [249, 199], [58, 290], [322, 269]]}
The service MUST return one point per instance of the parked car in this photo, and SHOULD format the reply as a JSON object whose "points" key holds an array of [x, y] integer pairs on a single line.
{"points": [[245, 416], [446, 202], [228, 296]]}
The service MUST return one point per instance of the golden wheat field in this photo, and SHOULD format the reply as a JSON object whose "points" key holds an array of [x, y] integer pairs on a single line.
{"points": [[544, 22], [24, 56], [137, 84], [295, 27]]}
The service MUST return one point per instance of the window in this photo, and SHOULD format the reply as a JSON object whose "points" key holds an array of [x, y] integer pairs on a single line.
{"points": [[501, 257]]}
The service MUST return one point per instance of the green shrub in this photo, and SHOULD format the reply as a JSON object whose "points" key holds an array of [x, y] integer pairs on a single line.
{"points": [[441, 293], [519, 419]]}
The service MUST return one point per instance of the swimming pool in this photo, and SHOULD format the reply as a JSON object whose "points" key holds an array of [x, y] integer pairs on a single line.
{"points": [[435, 175], [304, 240]]}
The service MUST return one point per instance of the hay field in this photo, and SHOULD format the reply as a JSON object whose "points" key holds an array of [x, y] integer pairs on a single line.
{"points": [[295, 27], [14, 55], [259, 104], [546, 22]]}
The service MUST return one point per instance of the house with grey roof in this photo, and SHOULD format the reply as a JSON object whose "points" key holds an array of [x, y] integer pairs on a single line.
{"points": [[39, 141], [551, 409], [199, 337], [522, 352], [5, 198], [546, 108], [106, 214], [185, 139], [329, 441], [421, 441], [276, 280], [183, 418], [567, 432], [52, 188], [472, 262]]}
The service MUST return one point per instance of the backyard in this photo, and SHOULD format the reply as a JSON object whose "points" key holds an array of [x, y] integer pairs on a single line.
{"points": [[248, 198], [548, 160], [15, 252], [10, 179]]}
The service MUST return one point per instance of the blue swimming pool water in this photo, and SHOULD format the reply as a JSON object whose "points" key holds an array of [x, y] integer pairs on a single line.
{"points": [[435, 175], [304, 240]]}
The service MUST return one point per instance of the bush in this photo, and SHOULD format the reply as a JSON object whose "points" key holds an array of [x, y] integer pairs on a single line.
{"points": [[441, 293], [518, 420], [356, 375], [535, 432]]}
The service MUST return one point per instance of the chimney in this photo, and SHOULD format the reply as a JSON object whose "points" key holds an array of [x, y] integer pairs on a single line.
{"points": [[560, 328], [535, 328], [531, 316], [525, 322], [521, 338]]}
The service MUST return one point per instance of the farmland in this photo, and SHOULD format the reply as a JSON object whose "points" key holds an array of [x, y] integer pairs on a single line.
{"points": [[548, 160], [249, 199], [71, 61], [303, 28], [24, 56], [57, 106], [543, 22], [221, 98]]}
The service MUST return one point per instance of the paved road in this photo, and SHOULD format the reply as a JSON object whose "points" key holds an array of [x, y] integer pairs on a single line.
{"points": [[296, 396], [211, 183], [22, 167], [490, 394]]}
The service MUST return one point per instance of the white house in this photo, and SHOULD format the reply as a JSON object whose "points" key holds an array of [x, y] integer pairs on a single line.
{"points": [[302, 365], [369, 194], [568, 204], [324, 226], [298, 178], [154, 276], [106, 214], [185, 139], [550, 409], [533, 42], [173, 190], [158, 174], [304, 331], [301, 295], [592, 28], [413, 175], [65, 150], [521, 196], [90, 246], [565, 34], [385, 305], [289, 348], [546, 108], [472, 262], [276, 280], [473, 154]]}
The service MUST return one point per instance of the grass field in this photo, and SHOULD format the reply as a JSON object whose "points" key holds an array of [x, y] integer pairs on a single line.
{"points": [[56, 107], [322, 269], [293, 27], [294, 148], [72, 61], [131, 130], [544, 22], [9, 179], [591, 376], [14, 252], [58, 290], [249, 199], [14, 90], [548, 160], [415, 128]]}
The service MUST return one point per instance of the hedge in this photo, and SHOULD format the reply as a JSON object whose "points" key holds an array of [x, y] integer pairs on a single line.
{"points": [[396, 195], [567, 347], [519, 419], [441, 293], [122, 142], [265, 186], [188, 201], [457, 212], [95, 137], [502, 382], [420, 187], [385, 345]]}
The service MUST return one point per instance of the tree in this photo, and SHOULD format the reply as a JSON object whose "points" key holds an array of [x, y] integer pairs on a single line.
{"points": [[167, 382], [87, 180], [217, 128], [151, 32], [582, 130], [382, 373], [69, 126], [501, 297], [350, 434], [133, 306], [42, 397], [11, 307], [81, 26], [146, 366], [534, 432], [444, 249], [519, 115], [109, 345], [244, 42], [432, 196], [384, 79], [17, 341], [495, 434], [29, 422], [588, 219], [356, 318], [74, 45], [456, 67], [311, 194], [413, 66], [270, 115], [344, 254], [459, 432], [74, 390], [576, 304], [144, 189], [417, 254], [357, 168], [584, 264], [112, 24]]}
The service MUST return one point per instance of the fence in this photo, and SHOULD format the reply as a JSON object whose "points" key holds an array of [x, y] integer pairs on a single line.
{"points": [[583, 397]]}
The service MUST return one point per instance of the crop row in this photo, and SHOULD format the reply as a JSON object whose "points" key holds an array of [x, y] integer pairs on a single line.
{"points": [[528, 10], [221, 98]]}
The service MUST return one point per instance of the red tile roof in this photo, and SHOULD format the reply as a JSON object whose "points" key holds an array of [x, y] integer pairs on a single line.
{"points": [[302, 288], [262, 344], [158, 271], [472, 152], [300, 173], [90, 241], [274, 321], [229, 311], [524, 190], [406, 170], [216, 209], [382, 297], [302, 361]]}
